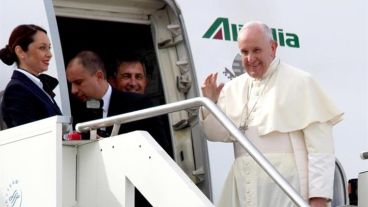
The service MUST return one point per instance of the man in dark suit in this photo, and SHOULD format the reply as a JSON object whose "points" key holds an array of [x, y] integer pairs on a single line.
{"points": [[87, 76]]}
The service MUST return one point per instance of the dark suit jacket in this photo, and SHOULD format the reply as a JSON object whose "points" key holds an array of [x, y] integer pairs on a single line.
{"points": [[120, 103], [25, 102]]}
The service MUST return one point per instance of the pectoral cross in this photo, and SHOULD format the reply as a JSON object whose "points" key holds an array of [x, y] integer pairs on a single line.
{"points": [[243, 127]]}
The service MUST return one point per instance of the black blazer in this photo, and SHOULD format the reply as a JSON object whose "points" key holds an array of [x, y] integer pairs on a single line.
{"points": [[123, 102], [25, 102]]}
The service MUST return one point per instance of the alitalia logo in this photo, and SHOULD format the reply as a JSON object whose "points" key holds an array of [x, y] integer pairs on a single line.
{"points": [[222, 29]]}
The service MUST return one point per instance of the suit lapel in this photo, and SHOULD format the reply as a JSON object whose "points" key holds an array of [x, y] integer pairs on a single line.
{"points": [[117, 103], [35, 89]]}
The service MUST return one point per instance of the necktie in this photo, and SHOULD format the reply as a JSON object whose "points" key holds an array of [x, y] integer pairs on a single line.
{"points": [[95, 109]]}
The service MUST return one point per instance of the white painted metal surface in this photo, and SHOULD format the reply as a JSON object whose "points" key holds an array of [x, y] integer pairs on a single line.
{"points": [[363, 189], [38, 170], [105, 166], [69, 176], [30, 157]]}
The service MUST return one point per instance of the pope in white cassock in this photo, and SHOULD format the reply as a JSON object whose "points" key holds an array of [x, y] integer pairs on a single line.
{"points": [[285, 114]]}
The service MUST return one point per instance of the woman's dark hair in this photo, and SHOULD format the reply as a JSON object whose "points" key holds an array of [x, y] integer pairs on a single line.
{"points": [[22, 35]]}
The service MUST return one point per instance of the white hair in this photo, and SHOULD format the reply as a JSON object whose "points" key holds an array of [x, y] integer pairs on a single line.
{"points": [[267, 31]]}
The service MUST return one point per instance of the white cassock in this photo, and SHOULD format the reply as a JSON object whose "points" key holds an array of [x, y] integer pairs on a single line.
{"points": [[289, 119]]}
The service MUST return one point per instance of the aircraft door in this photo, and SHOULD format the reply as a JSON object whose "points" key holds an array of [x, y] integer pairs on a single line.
{"points": [[178, 84]]}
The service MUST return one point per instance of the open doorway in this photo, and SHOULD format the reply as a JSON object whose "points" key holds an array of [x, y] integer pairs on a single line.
{"points": [[111, 41], [164, 55]]}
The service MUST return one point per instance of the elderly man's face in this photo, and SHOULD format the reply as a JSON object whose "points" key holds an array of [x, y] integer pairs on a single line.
{"points": [[130, 77], [257, 51]]}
